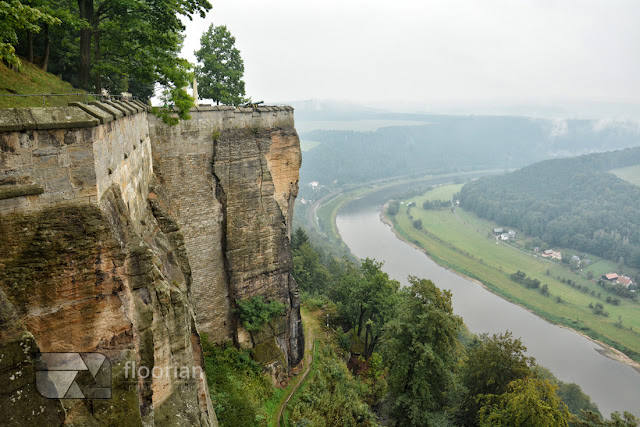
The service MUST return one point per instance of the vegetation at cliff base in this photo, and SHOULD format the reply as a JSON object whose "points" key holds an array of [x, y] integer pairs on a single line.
{"points": [[239, 388], [255, 312], [426, 368]]}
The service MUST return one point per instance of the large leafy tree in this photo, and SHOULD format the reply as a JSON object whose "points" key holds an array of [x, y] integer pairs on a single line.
{"points": [[117, 45], [493, 363], [366, 299], [220, 67], [421, 348], [16, 16], [132, 37], [527, 402]]}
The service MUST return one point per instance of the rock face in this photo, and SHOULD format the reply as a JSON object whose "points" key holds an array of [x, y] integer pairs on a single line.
{"points": [[123, 236], [230, 178], [257, 175]]}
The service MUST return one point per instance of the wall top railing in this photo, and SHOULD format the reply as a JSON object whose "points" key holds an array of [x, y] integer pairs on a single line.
{"points": [[75, 115], [95, 113], [259, 108], [78, 95]]}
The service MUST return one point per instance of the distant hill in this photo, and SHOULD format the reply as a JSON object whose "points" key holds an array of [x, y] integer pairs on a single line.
{"points": [[32, 80], [451, 143], [572, 203]]}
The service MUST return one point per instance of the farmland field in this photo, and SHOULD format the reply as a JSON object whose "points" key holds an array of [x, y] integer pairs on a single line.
{"points": [[461, 241], [631, 174]]}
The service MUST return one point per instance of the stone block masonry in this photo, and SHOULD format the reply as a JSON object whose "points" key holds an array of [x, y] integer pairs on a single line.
{"points": [[89, 263], [72, 154], [122, 235]]}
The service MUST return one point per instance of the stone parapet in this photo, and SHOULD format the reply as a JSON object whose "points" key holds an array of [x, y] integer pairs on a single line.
{"points": [[70, 154]]}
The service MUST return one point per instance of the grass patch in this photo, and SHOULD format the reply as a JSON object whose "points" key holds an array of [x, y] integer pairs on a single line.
{"points": [[630, 174], [330, 394], [32, 80], [462, 243], [239, 388]]}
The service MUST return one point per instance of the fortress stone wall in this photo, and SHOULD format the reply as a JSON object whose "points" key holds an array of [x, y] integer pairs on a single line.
{"points": [[123, 235]]}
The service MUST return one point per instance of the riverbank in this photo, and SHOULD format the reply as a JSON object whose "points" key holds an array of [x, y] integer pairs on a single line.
{"points": [[470, 254], [606, 350]]}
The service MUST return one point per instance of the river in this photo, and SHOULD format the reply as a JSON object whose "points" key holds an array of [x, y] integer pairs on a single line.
{"points": [[612, 385]]}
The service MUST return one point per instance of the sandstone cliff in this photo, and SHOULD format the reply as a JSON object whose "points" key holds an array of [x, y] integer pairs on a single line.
{"points": [[123, 236]]}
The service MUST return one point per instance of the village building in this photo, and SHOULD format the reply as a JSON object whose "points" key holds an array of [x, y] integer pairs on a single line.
{"points": [[625, 280], [549, 253]]}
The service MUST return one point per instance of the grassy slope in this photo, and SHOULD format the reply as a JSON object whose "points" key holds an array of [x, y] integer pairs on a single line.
{"points": [[631, 174], [31, 80], [467, 249]]}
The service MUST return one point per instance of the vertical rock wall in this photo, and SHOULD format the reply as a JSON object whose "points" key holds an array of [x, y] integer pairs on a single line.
{"points": [[123, 236], [230, 178], [90, 263]]}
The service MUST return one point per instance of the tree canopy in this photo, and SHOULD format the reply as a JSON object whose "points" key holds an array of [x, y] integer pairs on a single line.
{"points": [[528, 402], [14, 17], [421, 349], [116, 45], [220, 67], [569, 203], [493, 362]]}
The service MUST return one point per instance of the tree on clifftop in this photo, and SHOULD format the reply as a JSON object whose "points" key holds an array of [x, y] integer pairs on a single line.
{"points": [[16, 16], [220, 67]]}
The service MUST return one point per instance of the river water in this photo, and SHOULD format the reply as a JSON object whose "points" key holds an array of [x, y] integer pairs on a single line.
{"points": [[612, 385]]}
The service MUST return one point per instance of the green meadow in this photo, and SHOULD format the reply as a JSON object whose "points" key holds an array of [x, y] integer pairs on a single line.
{"points": [[461, 241], [631, 174]]}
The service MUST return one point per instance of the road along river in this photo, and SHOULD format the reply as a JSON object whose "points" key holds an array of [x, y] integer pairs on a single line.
{"points": [[612, 385]]}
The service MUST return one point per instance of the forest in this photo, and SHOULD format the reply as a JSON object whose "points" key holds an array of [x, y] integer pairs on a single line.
{"points": [[447, 144], [413, 362], [568, 203]]}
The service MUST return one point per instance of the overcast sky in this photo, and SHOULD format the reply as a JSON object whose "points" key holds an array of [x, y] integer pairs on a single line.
{"points": [[434, 52]]}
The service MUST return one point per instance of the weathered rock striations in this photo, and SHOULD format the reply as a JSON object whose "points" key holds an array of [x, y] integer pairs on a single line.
{"points": [[257, 174], [121, 235], [95, 265], [230, 178]]}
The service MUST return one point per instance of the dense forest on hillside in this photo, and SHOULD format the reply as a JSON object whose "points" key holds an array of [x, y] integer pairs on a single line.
{"points": [[456, 143], [571, 203], [412, 361]]}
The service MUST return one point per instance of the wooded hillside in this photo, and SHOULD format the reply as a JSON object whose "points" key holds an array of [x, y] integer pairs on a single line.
{"points": [[571, 203]]}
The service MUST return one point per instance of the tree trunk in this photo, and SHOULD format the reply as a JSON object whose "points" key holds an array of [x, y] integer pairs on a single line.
{"points": [[86, 13], [360, 319], [366, 342], [47, 47], [97, 56], [29, 46]]}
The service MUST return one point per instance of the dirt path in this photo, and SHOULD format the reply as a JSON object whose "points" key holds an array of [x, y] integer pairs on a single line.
{"points": [[308, 362]]}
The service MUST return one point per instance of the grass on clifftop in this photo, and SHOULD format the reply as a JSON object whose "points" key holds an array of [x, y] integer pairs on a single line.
{"points": [[461, 242], [32, 80]]}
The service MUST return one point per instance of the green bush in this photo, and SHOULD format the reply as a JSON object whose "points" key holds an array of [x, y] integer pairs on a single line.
{"points": [[237, 385], [255, 312]]}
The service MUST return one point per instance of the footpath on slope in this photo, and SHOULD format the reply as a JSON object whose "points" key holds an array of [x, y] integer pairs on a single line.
{"points": [[308, 362]]}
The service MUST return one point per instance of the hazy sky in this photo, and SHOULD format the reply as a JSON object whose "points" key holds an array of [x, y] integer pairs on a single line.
{"points": [[434, 52]]}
